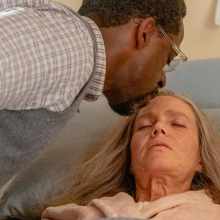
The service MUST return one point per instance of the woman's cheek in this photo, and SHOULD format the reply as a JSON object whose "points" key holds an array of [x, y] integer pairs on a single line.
{"points": [[138, 141]]}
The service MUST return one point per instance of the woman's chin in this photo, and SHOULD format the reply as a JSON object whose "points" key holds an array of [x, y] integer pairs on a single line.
{"points": [[160, 164]]}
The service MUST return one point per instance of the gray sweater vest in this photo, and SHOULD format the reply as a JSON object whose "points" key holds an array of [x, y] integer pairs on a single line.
{"points": [[24, 134]]}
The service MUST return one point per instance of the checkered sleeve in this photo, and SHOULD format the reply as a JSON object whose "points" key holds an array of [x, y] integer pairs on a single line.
{"points": [[6, 4], [46, 55]]}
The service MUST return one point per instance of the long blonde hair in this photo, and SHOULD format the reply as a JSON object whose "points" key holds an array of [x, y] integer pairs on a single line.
{"points": [[105, 169]]}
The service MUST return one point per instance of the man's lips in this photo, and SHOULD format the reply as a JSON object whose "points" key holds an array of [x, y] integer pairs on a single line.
{"points": [[154, 94], [147, 99]]}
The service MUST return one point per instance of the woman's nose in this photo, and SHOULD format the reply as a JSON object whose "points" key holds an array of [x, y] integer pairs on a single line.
{"points": [[158, 128]]}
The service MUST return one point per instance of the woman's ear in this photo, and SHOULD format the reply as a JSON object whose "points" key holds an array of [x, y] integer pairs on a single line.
{"points": [[199, 167], [145, 31]]}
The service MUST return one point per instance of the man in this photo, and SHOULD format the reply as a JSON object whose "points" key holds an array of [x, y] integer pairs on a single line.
{"points": [[51, 58]]}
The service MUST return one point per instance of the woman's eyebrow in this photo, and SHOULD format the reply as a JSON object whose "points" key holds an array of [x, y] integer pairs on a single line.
{"points": [[146, 115], [176, 114], [170, 113]]}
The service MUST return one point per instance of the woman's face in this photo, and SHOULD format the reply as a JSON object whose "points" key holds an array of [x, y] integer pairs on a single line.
{"points": [[165, 140]]}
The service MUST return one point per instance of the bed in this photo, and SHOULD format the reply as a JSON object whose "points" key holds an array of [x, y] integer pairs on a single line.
{"points": [[200, 79]]}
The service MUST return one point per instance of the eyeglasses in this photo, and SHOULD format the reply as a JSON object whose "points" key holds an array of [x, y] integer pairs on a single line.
{"points": [[179, 59]]}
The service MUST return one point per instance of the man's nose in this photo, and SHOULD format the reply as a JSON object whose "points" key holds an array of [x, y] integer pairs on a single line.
{"points": [[162, 81]]}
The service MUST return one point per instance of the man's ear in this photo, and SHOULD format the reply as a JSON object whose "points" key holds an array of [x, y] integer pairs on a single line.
{"points": [[145, 30]]}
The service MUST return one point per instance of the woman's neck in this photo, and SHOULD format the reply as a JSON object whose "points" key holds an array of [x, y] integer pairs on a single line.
{"points": [[160, 186]]}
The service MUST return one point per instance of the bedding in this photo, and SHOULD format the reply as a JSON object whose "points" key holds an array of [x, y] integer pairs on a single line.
{"points": [[184, 206], [199, 79]]}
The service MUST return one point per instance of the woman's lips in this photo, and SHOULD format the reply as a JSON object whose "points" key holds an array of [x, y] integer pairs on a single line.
{"points": [[159, 144]]}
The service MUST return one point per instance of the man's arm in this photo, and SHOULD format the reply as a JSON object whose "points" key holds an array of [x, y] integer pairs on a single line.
{"points": [[44, 62], [6, 4]]}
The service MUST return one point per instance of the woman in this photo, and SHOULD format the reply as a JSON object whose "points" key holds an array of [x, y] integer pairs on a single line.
{"points": [[153, 163]]}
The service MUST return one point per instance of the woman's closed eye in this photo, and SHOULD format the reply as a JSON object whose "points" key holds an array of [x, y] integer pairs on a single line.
{"points": [[178, 123], [148, 125], [145, 126]]}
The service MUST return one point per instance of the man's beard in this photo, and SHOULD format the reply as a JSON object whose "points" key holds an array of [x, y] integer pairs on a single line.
{"points": [[130, 107]]}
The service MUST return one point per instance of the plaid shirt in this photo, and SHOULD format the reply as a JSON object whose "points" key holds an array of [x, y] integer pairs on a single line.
{"points": [[46, 56]]}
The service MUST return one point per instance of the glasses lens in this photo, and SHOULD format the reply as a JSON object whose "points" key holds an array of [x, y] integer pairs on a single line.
{"points": [[172, 66]]}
